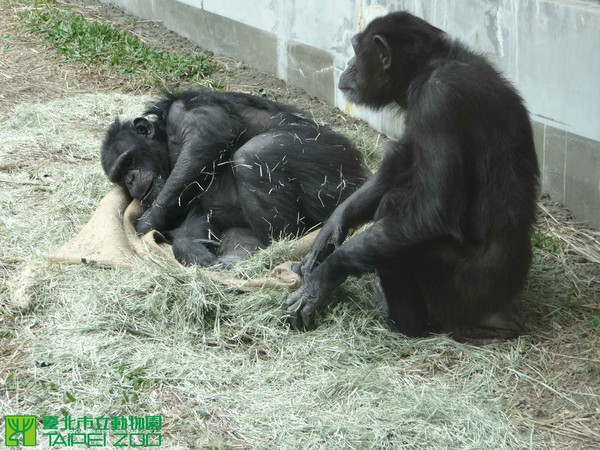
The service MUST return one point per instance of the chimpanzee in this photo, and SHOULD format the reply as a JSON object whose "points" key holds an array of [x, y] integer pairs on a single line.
{"points": [[229, 170], [454, 200]]}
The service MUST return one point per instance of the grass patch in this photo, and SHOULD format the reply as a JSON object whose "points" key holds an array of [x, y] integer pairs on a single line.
{"points": [[595, 322], [102, 45], [368, 143], [543, 241]]}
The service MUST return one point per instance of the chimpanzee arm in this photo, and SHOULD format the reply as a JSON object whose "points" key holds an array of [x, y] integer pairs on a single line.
{"points": [[357, 209], [413, 208], [207, 136], [357, 255]]}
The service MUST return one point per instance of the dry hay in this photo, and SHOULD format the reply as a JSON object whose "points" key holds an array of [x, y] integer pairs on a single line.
{"points": [[219, 366], [578, 238]]}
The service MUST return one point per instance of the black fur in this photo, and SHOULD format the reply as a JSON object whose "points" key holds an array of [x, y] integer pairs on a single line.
{"points": [[453, 202], [204, 162]]}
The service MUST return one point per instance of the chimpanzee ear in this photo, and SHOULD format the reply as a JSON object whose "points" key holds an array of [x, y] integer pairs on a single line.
{"points": [[385, 51], [144, 126]]}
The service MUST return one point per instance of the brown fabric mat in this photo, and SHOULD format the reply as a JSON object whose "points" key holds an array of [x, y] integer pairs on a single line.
{"points": [[109, 239]]}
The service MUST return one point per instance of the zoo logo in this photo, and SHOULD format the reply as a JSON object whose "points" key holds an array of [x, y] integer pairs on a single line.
{"points": [[17, 427]]}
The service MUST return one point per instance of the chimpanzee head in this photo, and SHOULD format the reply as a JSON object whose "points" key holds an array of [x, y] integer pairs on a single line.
{"points": [[135, 155], [388, 55]]}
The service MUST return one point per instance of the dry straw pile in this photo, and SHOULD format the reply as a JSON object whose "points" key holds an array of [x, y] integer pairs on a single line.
{"points": [[220, 366]]}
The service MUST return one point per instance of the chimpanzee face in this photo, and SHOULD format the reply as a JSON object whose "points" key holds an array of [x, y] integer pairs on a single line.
{"points": [[367, 79], [388, 55], [136, 157]]}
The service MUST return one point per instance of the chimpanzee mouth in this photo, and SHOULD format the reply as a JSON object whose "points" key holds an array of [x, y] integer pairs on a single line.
{"points": [[147, 194]]}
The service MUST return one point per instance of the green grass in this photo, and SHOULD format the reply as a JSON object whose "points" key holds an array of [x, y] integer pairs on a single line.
{"points": [[96, 44], [595, 321], [365, 141], [547, 243]]}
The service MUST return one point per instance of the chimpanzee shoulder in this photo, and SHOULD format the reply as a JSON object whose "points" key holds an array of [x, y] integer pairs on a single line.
{"points": [[230, 101]]}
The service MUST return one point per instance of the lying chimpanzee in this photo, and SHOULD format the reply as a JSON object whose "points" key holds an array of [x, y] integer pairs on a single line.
{"points": [[454, 201], [224, 173]]}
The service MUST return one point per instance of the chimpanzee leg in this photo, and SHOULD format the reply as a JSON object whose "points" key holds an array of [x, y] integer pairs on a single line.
{"points": [[236, 244], [279, 187], [473, 297], [267, 195], [266, 185], [406, 308], [195, 241]]}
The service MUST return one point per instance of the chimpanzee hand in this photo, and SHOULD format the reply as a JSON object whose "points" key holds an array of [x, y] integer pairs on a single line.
{"points": [[329, 238], [299, 308], [150, 220]]}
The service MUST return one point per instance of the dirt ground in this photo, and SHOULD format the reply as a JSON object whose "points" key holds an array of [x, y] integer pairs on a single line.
{"points": [[28, 72], [31, 72]]}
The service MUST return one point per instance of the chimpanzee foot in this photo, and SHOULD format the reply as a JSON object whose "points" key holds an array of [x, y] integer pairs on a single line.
{"points": [[299, 308], [229, 261], [195, 252]]}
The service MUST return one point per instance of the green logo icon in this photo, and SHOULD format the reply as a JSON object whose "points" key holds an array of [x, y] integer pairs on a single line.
{"points": [[20, 430]]}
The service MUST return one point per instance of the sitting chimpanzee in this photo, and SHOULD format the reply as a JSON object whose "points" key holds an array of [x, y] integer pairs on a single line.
{"points": [[454, 200], [221, 174]]}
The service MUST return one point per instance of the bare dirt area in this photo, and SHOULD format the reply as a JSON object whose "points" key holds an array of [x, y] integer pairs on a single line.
{"points": [[555, 394]]}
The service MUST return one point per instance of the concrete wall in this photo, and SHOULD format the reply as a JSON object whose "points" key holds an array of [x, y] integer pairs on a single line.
{"points": [[550, 49]]}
